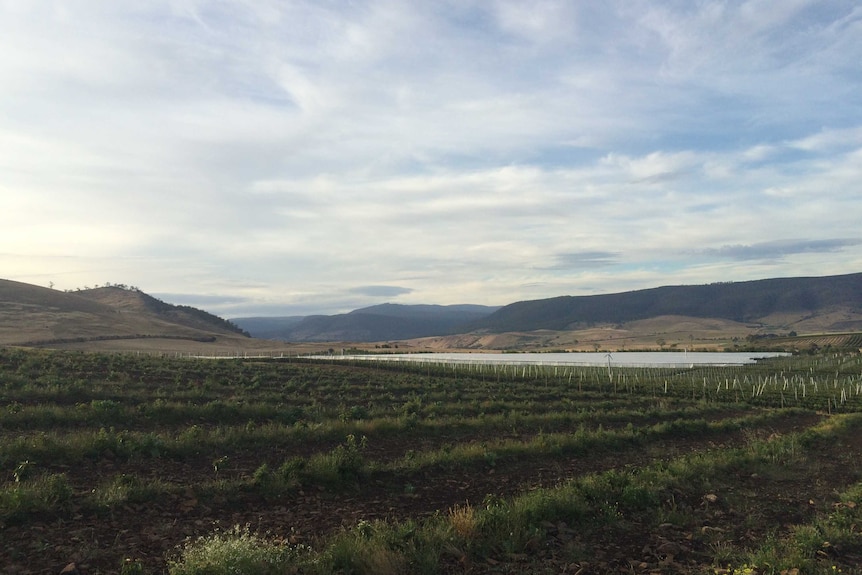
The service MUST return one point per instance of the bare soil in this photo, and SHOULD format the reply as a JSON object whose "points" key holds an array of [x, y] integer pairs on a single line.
{"points": [[750, 508]]}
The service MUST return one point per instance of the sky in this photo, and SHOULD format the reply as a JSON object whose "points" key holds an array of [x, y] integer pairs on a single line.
{"points": [[277, 157]]}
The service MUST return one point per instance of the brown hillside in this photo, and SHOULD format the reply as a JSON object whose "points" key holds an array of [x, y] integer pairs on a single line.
{"points": [[132, 301], [663, 332], [836, 319], [34, 315], [117, 298], [21, 295]]}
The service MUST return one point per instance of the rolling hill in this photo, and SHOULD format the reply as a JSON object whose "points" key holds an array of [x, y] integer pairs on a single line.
{"points": [[34, 315]]}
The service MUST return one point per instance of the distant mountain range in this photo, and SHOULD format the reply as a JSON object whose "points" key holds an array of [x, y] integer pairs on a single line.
{"points": [[385, 322], [835, 300]]}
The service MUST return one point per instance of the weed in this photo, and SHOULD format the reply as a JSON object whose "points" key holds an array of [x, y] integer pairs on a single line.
{"points": [[38, 494], [127, 489], [132, 567], [343, 465], [275, 484], [293, 468], [354, 413], [219, 463], [236, 552], [375, 547], [464, 522]]}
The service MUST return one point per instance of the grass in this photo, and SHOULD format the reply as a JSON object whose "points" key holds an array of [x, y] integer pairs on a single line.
{"points": [[123, 489], [811, 548], [40, 494]]}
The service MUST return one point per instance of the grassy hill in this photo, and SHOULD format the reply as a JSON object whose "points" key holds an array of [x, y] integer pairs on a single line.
{"points": [[34, 315]]}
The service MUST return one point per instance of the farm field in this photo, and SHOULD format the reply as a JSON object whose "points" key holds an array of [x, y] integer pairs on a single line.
{"points": [[146, 465]]}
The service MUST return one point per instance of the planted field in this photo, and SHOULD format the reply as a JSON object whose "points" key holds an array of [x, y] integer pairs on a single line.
{"points": [[131, 464]]}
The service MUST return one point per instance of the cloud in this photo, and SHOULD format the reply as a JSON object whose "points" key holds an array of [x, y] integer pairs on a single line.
{"points": [[827, 140], [380, 291], [200, 300], [584, 260], [780, 249], [280, 153]]}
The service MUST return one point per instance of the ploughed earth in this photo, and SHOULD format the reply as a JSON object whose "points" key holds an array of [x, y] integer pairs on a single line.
{"points": [[151, 532]]}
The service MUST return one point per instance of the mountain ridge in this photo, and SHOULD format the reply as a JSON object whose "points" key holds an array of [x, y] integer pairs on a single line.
{"points": [[828, 302], [748, 301]]}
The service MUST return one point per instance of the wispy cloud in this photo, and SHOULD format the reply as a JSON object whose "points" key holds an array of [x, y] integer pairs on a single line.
{"points": [[200, 300], [584, 260], [780, 249], [380, 291]]}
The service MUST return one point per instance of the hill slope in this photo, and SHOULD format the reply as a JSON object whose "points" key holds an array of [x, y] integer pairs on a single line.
{"points": [[752, 301], [136, 301], [34, 315]]}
